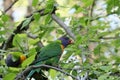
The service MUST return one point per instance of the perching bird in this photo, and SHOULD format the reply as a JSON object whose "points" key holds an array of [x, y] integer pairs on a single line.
{"points": [[49, 54], [13, 60]]}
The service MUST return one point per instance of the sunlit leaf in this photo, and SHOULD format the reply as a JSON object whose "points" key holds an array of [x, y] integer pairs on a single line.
{"points": [[15, 55], [35, 2], [1, 24], [103, 77], [19, 40], [53, 73], [97, 49], [111, 5], [117, 43], [49, 6], [5, 18], [14, 69], [37, 16], [26, 22], [88, 3], [48, 19], [9, 76], [28, 61], [106, 68]]}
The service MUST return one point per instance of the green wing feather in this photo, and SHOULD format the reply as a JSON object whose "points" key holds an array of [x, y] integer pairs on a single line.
{"points": [[49, 54]]}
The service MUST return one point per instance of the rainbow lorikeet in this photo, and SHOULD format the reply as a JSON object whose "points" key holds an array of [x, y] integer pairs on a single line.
{"points": [[13, 60], [50, 55]]}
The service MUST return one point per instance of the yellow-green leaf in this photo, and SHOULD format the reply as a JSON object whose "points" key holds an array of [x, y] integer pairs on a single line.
{"points": [[9, 76]]}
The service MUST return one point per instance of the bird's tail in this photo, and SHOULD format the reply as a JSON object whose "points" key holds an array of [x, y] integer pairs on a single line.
{"points": [[37, 75]]}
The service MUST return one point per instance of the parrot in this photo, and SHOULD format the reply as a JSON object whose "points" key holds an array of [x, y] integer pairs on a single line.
{"points": [[14, 61], [50, 55]]}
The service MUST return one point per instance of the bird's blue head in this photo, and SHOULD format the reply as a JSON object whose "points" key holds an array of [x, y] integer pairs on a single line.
{"points": [[65, 41]]}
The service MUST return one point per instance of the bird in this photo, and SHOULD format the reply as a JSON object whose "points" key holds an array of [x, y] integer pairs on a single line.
{"points": [[13, 60], [50, 55]]}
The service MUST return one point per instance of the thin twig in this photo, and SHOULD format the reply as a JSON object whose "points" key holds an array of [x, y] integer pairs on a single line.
{"points": [[30, 35], [40, 44], [92, 8], [10, 6], [27, 70]]}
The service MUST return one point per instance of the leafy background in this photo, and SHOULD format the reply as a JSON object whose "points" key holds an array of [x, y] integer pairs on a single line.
{"points": [[95, 53]]}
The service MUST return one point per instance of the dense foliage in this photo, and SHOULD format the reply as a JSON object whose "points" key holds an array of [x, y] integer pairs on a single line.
{"points": [[96, 28]]}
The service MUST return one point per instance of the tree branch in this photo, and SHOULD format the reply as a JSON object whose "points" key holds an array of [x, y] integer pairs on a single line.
{"points": [[30, 35], [92, 8], [64, 26], [10, 6], [22, 75]]}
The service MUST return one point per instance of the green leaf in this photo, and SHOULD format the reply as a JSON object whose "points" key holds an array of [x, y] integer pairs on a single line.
{"points": [[78, 8], [1, 24], [28, 61], [47, 19], [33, 41], [36, 16], [117, 43], [19, 40], [97, 49], [26, 22], [5, 18], [103, 77], [87, 3], [15, 58], [1, 39], [82, 73], [35, 2], [53, 73], [16, 40], [14, 69], [97, 72], [9, 76], [111, 5], [79, 40], [32, 51], [1, 69], [60, 31], [74, 73], [15, 55], [2, 32], [49, 6], [106, 68]]}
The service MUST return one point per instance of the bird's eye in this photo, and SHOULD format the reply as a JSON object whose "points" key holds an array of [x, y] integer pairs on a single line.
{"points": [[69, 41]]}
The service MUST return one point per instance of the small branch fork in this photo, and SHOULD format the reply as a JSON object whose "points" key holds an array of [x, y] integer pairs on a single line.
{"points": [[22, 75]]}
